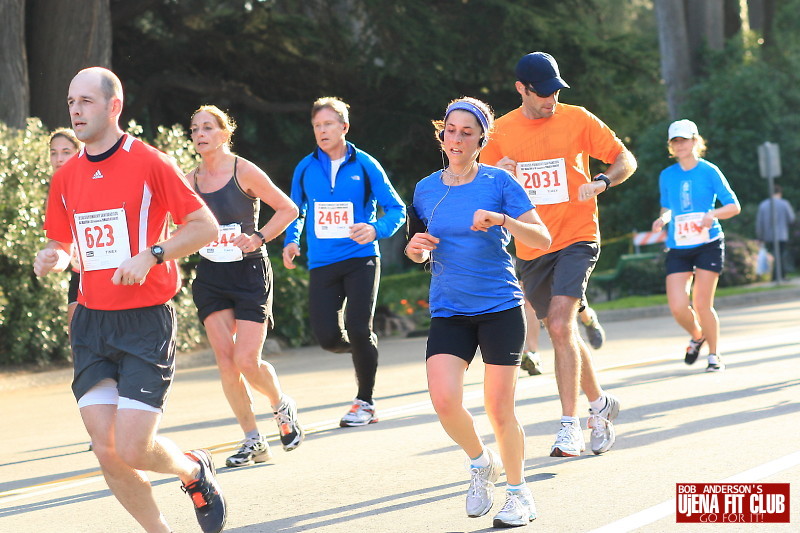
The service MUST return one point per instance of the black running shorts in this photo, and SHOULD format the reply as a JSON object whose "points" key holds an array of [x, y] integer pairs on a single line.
{"points": [[134, 347], [709, 256], [561, 273], [244, 286], [500, 337], [74, 283]]}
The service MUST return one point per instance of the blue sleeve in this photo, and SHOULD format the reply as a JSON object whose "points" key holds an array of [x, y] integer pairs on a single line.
{"points": [[394, 210], [662, 187], [516, 201], [298, 196], [722, 188]]}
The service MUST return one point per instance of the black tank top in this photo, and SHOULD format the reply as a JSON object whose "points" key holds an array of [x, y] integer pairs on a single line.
{"points": [[231, 204]]}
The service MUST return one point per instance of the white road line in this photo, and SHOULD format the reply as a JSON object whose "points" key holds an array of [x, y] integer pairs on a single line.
{"points": [[665, 509]]}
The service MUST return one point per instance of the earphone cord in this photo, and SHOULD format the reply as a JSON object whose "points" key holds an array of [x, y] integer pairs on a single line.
{"points": [[431, 260]]}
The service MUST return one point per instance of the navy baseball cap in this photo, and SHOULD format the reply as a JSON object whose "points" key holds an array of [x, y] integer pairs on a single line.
{"points": [[540, 70]]}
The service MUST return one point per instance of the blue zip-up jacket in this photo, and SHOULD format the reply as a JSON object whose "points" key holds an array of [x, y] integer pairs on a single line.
{"points": [[360, 180]]}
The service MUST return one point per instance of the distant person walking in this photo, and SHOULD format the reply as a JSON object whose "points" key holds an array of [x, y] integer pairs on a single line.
{"points": [[767, 231], [338, 189], [690, 190]]}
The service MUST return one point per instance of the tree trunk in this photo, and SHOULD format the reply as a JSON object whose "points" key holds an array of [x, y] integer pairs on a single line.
{"points": [[64, 37], [706, 24], [676, 66], [14, 89]]}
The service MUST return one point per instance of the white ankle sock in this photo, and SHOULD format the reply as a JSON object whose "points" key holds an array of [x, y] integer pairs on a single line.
{"points": [[598, 404], [482, 461]]}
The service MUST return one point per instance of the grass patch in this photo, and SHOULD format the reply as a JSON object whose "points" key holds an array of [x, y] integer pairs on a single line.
{"points": [[632, 302]]}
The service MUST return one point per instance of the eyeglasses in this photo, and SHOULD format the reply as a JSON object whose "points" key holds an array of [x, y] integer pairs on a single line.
{"points": [[537, 93]]}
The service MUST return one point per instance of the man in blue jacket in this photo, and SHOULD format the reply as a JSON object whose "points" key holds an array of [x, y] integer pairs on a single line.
{"points": [[338, 189]]}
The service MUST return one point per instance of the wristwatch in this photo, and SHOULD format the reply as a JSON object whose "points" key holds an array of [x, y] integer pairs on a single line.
{"points": [[603, 177], [261, 235], [158, 253]]}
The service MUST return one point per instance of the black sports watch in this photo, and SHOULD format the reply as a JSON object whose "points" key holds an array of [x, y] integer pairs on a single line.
{"points": [[261, 235], [604, 178], [158, 253]]}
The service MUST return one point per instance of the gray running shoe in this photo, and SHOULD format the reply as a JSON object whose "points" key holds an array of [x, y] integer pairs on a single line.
{"points": [[603, 434], [531, 363], [361, 413], [291, 432], [480, 494], [519, 509], [251, 451], [595, 333], [569, 441], [715, 363]]}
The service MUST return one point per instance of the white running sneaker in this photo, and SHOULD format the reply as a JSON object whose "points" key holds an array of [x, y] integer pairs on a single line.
{"points": [[480, 495], [519, 509], [251, 451], [603, 434], [361, 413], [715, 363], [569, 441]]}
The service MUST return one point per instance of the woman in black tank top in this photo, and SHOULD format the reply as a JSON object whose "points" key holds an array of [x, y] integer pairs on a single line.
{"points": [[233, 286]]}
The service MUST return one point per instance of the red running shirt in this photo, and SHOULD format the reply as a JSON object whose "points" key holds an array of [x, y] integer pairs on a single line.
{"points": [[148, 186]]}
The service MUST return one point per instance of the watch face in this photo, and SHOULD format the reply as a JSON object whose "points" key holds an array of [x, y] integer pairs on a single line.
{"points": [[157, 250]]}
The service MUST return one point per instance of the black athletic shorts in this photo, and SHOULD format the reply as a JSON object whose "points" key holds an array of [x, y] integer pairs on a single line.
{"points": [[561, 273], [134, 347], [500, 336], [74, 283], [244, 286], [708, 256]]}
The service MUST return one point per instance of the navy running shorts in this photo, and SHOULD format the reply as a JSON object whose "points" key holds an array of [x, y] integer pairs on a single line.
{"points": [[561, 273], [709, 256], [244, 286], [74, 284], [499, 335], [134, 347]]}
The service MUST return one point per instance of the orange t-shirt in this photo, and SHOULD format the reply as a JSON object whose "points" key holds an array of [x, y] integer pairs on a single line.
{"points": [[552, 156]]}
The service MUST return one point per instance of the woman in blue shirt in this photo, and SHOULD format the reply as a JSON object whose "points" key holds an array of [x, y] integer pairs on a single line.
{"points": [[689, 192], [470, 211]]}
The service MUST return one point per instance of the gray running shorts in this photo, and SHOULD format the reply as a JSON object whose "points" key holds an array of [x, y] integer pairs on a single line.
{"points": [[561, 273]]}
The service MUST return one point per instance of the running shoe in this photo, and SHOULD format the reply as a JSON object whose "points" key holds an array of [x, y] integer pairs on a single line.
{"points": [[519, 509], [291, 432], [603, 433], [361, 413], [715, 363], [693, 350], [595, 333], [209, 503], [569, 441], [480, 495], [251, 451], [531, 363]]}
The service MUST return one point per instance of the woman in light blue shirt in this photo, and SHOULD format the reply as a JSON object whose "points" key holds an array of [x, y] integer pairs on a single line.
{"points": [[690, 190]]}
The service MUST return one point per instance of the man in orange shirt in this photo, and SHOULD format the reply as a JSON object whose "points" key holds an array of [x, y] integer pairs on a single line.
{"points": [[547, 145]]}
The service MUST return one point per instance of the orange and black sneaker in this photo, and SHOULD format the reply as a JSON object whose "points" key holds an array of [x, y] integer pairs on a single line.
{"points": [[291, 431], [209, 504]]}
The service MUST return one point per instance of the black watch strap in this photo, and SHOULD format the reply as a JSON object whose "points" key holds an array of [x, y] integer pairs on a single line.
{"points": [[604, 178], [261, 235]]}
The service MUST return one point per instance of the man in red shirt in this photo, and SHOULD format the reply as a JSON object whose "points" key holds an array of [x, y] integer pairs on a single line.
{"points": [[113, 199], [547, 145]]}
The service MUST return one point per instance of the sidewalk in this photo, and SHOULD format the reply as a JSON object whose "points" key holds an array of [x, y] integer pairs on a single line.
{"points": [[790, 290]]}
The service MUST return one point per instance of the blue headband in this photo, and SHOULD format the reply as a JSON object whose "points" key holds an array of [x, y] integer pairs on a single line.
{"points": [[471, 108]]}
